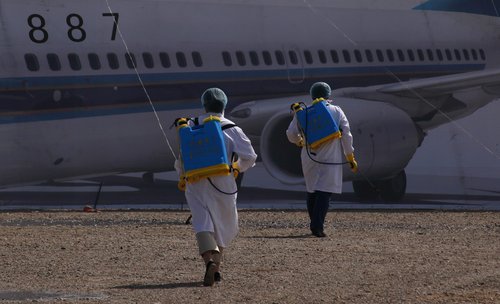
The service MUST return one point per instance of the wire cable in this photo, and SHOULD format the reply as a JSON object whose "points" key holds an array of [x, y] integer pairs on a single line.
{"points": [[142, 83], [389, 72]]}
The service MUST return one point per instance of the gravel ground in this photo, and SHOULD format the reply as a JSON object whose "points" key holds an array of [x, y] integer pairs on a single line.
{"points": [[151, 257]]}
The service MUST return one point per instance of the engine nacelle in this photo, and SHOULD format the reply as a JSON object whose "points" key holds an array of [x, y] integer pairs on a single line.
{"points": [[385, 138]]}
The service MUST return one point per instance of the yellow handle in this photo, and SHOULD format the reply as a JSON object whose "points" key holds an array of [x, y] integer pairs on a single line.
{"points": [[236, 169], [296, 107], [182, 183], [352, 162]]}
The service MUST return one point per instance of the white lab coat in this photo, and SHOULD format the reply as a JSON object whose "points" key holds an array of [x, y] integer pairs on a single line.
{"points": [[212, 210], [320, 177]]}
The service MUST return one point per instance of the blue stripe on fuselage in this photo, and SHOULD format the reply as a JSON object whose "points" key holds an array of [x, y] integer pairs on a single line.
{"points": [[480, 7], [176, 92], [62, 82]]}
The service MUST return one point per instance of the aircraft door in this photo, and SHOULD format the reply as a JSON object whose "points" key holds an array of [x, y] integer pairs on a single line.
{"points": [[294, 64]]}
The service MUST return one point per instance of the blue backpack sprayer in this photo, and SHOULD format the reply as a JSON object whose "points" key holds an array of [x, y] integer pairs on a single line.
{"points": [[317, 125], [203, 151]]}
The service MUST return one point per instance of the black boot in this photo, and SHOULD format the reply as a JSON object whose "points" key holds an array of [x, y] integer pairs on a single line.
{"points": [[209, 278]]}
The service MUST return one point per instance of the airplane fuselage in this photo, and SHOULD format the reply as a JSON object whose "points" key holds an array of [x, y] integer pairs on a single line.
{"points": [[71, 103]]}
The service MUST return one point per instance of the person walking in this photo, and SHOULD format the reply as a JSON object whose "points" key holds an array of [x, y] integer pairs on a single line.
{"points": [[322, 160], [212, 199]]}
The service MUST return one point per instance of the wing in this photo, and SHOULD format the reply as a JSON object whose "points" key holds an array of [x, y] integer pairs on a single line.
{"points": [[431, 102]]}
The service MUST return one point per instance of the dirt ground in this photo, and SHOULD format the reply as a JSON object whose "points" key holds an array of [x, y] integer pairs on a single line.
{"points": [[151, 257]]}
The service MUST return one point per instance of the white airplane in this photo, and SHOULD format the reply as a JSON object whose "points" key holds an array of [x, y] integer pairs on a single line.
{"points": [[74, 106]]}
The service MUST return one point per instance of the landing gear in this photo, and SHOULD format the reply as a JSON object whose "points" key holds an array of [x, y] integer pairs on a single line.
{"points": [[390, 190], [239, 180], [149, 178], [393, 190], [365, 190]]}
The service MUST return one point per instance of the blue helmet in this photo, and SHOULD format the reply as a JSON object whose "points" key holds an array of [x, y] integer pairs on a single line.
{"points": [[320, 90], [214, 100]]}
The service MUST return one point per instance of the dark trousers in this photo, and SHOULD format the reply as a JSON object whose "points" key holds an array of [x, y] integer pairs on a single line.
{"points": [[317, 206]]}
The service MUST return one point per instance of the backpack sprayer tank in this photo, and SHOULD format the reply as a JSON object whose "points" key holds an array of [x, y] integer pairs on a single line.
{"points": [[203, 150], [316, 122]]}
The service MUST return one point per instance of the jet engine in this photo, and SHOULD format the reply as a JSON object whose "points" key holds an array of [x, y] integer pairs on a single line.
{"points": [[385, 139]]}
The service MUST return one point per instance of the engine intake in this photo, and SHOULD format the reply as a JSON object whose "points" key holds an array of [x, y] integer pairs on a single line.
{"points": [[385, 139]]}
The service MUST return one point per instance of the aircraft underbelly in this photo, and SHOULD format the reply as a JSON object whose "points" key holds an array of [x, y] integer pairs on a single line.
{"points": [[56, 149]]}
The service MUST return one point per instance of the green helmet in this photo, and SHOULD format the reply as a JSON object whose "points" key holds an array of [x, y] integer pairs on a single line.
{"points": [[320, 90]]}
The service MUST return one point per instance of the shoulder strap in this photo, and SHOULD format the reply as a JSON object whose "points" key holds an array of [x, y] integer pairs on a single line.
{"points": [[225, 127]]}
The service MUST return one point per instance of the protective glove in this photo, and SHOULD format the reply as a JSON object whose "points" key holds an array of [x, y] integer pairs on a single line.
{"points": [[352, 162], [300, 143], [182, 183], [236, 169]]}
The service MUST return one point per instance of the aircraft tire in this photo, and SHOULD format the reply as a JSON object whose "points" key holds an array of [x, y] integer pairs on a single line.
{"points": [[394, 189], [364, 190], [239, 180], [149, 178]]}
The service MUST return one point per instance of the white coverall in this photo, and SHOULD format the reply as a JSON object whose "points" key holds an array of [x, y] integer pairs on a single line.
{"points": [[319, 177], [212, 210]]}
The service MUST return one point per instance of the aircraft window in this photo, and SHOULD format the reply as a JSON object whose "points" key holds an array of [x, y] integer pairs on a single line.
{"points": [[439, 54], [420, 54], [148, 60], [430, 54], [457, 55], [226, 56], [31, 62], [181, 59], [279, 57], [357, 55], [346, 55], [241, 58], [130, 59], [482, 54], [254, 58], [448, 55], [474, 54], [165, 60], [401, 55], [390, 55], [466, 54], [369, 55], [308, 57], [74, 62], [322, 56], [293, 57], [113, 61], [335, 56], [94, 61], [198, 62], [411, 55], [268, 60], [380, 55], [54, 63]]}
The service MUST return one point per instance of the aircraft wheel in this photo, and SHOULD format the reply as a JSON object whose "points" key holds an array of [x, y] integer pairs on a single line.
{"points": [[239, 179], [149, 178], [394, 189], [364, 190]]}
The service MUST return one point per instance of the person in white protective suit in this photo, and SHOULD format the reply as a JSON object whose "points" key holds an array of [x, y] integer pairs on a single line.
{"points": [[322, 166], [214, 213]]}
